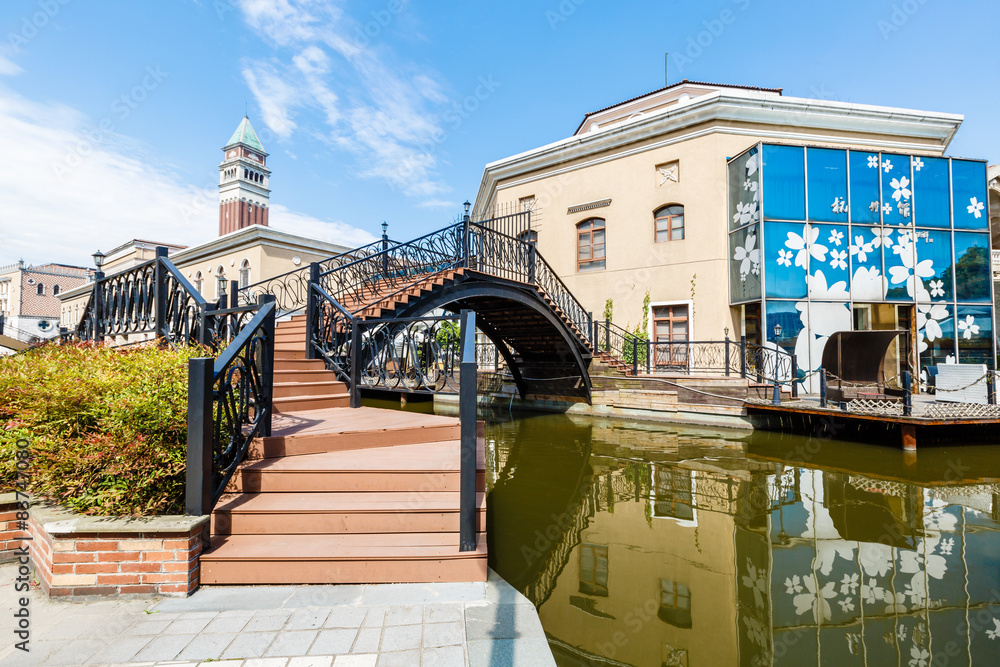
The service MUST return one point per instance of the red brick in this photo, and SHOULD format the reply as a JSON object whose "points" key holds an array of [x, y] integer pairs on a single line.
{"points": [[71, 557], [63, 568], [174, 588], [140, 567], [176, 567], [158, 555], [118, 579], [117, 556], [95, 590], [181, 544], [137, 590], [96, 545], [163, 578], [60, 592], [96, 568]]}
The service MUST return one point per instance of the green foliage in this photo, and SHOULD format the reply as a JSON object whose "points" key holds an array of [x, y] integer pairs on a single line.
{"points": [[449, 333], [645, 311], [641, 348], [609, 308], [107, 428]]}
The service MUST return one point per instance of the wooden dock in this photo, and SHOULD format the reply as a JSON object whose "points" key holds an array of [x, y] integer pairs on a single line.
{"points": [[933, 427]]}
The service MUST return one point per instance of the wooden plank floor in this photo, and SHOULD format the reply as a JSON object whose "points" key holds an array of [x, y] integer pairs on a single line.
{"points": [[351, 420]]}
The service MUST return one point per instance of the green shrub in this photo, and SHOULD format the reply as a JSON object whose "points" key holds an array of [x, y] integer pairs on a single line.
{"points": [[107, 428]]}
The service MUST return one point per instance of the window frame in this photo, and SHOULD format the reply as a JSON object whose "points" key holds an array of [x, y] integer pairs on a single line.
{"points": [[670, 355], [659, 215], [592, 263], [244, 273], [592, 586]]}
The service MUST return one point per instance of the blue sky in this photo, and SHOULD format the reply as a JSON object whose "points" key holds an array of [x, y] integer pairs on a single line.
{"points": [[112, 114]]}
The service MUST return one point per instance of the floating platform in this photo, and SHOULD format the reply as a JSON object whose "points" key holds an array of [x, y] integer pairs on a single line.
{"points": [[933, 423]]}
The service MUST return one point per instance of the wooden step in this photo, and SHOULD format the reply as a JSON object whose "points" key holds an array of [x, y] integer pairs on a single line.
{"points": [[318, 402], [336, 429], [308, 389], [285, 355], [336, 513], [310, 375], [298, 364], [342, 559]]}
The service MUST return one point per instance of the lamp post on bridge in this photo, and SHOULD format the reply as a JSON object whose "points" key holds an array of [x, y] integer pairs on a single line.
{"points": [[465, 233], [98, 296], [776, 396]]}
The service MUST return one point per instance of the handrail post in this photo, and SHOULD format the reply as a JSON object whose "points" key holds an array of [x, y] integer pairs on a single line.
{"points": [[590, 327], [311, 307], [635, 356], [467, 419], [991, 388], [648, 350], [234, 302], [198, 476], [355, 391], [531, 263], [267, 364], [743, 357], [795, 377], [907, 396], [776, 395], [727, 355], [465, 241], [607, 336], [822, 387], [160, 304], [98, 313]]}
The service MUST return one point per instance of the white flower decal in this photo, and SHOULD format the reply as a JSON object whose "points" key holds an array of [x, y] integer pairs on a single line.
{"points": [[968, 327], [806, 245], [911, 272], [883, 237], [745, 213], [755, 631], [860, 248], [918, 657], [814, 599], [976, 207], [873, 161], [887, 165], [847, 605], [900, 188], [752, 165], [784, 257], [837, 259], [928, 322], [995, 632], [749, 257], [755, 580], [894, 603], [835, 237], [886, 209], [937, 288], [849, 584], [917, 164], [872, 592], [793, 584]]}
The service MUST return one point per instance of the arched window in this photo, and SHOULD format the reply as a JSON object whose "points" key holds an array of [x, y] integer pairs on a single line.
{"points": [[669, 223], [528, 236], [199, 282], [41, 288], [590, 245], [220, 281], [55, 290], [245, 273]]}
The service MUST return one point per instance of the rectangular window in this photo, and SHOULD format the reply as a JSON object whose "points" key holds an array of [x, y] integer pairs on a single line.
{"points": [[675, 603], [670, 332], [590, 245], [594, 570], [673, 493], [670, 224]]}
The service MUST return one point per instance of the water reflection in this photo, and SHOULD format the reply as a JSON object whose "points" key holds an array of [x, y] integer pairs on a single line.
{"points": [[658, 546]]}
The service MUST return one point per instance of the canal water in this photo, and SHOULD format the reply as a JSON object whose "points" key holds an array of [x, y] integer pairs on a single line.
{"points": [[654, 545]]}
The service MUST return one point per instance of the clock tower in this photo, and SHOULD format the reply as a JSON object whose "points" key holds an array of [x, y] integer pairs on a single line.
{"points": [[244, 181]]}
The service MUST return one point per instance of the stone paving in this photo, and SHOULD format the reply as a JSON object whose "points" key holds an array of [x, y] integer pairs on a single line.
{"points": [[475, 624]]}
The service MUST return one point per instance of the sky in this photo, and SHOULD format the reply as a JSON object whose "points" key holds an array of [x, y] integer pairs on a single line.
{"points": [[113, 113]]}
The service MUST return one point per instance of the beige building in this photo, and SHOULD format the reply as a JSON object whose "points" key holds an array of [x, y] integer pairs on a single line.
{"points": [[637, 199], [29, 298]]}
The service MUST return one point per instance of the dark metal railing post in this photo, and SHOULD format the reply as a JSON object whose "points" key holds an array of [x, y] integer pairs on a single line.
{"points": [[200, 427], [607, 336], [776, 394], [907, 396], [743, 356], [727, 355], [385, 253], [467, 418], [98, 313], [267, 364], [160, 294], [635, 356], [465, 241], [355, 389], [822, 387], [795, 377], [590, 328], [991, 388], [311, 310], [531, 263], [648, 355]]}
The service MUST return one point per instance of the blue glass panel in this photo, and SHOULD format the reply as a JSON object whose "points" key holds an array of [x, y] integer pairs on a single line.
{"points": [[975, 335], [744, 189], [899, 260], [972, 267], [744, 269], [784, 183], [897, 194], [865, 203], [936, 333], [836, 267], [827, 177], [867, 281], [969, 187], [789, 316], [785, 260], [933, 265], [931, 194]]}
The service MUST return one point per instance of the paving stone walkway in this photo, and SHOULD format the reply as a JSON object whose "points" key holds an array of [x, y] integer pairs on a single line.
{"points": [[409, 625]]}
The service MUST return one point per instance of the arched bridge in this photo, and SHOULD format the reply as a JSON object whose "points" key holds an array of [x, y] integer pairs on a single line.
{"points": [[384, 316]]}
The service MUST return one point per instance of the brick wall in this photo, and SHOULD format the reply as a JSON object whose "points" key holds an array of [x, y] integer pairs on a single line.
{"points": [[76, 557], [10, 538]]}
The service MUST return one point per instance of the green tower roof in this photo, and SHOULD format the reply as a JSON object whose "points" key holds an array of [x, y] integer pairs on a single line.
{"points": [[245, 134]]}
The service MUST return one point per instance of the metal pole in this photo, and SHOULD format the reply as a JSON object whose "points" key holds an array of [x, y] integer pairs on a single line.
{"points": [[727, 355], [776, 395], [467, 418], [98, 314], [743, 356], [607, 336], [907, 396], [531, 263], [355, 390], [465, 240], [385, 252], [198, 477], [991, 388], [312, 306], [160, 285], [648, 355], [795, 377], [635, 356], [822, 387], [267, 364]]}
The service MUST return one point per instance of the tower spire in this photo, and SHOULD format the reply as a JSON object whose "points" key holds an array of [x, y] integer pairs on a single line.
{"points": [[244, 181]]}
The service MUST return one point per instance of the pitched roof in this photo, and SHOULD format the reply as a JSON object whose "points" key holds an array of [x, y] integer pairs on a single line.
{"points": [[245, 134]]}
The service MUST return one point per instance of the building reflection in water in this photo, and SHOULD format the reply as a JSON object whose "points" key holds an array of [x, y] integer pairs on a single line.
{"points": [[643, 547]]}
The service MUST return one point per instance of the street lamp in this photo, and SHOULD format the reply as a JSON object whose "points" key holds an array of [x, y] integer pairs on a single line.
{"points": [[385, 227], [777, 332], [467, 206], [99, 259], [727, 332]]}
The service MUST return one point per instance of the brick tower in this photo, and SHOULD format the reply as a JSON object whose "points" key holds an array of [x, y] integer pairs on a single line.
{"points": [[243, 181]]}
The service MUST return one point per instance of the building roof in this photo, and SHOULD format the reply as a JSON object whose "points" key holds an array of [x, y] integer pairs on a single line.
{"points": [[245, 134], [685, 82]]}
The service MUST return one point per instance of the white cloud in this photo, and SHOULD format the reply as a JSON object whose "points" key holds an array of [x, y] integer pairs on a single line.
{"points": [[71, 189], [392, 119], [8, 67]]}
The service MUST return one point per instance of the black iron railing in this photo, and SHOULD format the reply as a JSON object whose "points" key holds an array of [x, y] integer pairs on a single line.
{"points": [[229, 403], [332, 335], [419, 355]]}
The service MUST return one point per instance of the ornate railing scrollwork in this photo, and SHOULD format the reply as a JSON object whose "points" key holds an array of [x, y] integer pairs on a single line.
{"points": [[420, 355]]}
